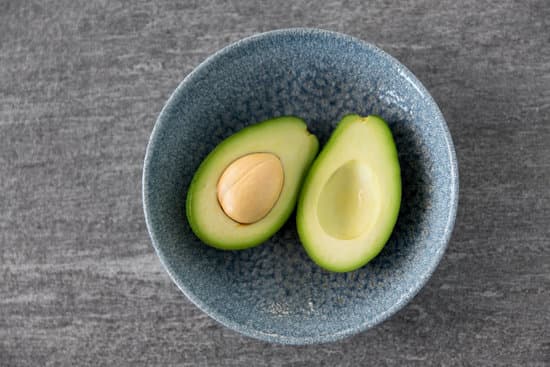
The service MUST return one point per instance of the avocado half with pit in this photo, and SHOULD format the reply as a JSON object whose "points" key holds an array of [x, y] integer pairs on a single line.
{"points": [[247, 187], [351, 196]]}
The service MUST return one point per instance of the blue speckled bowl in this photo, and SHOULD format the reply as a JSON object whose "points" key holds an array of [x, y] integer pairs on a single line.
{"points": [[275, 292]]}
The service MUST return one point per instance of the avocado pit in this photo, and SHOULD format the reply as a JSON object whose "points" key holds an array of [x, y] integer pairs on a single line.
{"points": [[250, 187]]}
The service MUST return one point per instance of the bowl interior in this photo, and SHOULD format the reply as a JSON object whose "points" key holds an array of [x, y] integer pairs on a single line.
{"points": [[274, 291]]}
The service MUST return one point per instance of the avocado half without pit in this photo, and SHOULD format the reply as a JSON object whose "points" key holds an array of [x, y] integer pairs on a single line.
{"points": [[247, 187], [351, 196]]}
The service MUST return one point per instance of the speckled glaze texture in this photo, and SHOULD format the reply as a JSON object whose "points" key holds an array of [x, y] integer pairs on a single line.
{"points": [[274, 291]]}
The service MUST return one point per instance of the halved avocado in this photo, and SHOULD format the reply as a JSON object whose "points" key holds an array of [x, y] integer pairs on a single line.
{"points": [[351, 196], [294, 148]]}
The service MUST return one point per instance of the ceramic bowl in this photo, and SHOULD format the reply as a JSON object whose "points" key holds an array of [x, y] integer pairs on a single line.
{"points": [[274, 292]]}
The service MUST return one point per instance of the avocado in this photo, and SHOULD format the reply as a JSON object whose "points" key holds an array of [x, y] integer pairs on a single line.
{"points": [[247, 187], [351, 196]]}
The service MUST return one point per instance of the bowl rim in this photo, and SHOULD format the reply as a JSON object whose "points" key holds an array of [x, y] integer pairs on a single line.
{"points": [[341, 334]]}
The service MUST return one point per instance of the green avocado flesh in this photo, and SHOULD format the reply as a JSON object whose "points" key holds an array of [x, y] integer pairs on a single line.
{"points": [[351, 196], [285, 137]]}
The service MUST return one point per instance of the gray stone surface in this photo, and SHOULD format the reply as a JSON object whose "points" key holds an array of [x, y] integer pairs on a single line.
{"points": [[81, 83]]}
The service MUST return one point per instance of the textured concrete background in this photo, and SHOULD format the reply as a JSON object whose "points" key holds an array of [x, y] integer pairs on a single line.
{"points": [[81, 83]]}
